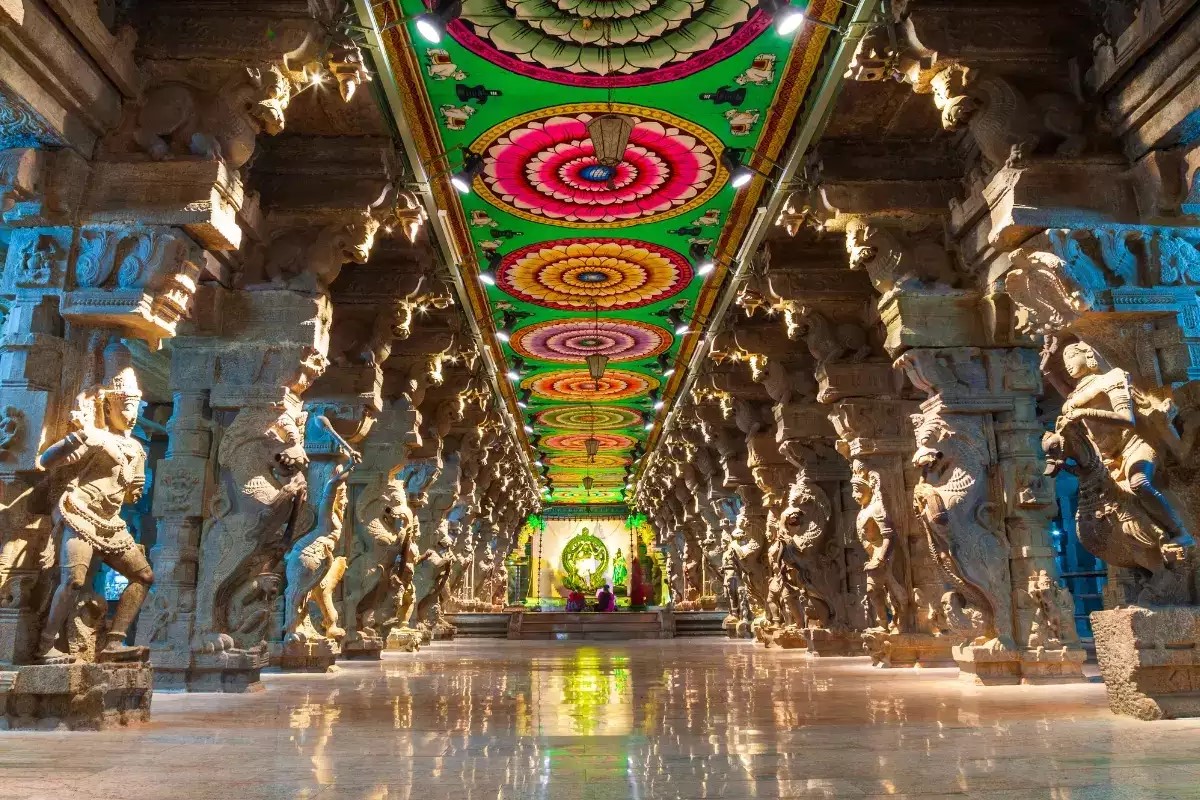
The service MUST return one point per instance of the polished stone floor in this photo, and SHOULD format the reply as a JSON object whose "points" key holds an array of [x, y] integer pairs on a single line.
{"points": [[671, 719]]}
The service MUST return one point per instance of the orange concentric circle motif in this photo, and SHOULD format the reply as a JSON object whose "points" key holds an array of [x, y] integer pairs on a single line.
{"points": [[572, 274], [576, 385], [583, 462], [589, 418], [575, 441]]}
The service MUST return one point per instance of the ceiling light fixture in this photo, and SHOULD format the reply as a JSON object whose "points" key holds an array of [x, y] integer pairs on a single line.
{"points": [[504, 330], [488, 276], [472, 168], [665, 365], [431, 26], [680, 325], [523, 399], [518, 366], [739, 173], [788, 18]]}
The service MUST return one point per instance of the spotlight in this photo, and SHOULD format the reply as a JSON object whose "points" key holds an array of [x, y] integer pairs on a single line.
{"points": [[658, 402], [665, 366], [789, 20], [523, 399], [472, 168], [518, 366], [487, 278], [432, 25], [739, 173], [706, 266], [650, 425], [528, 428], [675, 315], [504, 329]]}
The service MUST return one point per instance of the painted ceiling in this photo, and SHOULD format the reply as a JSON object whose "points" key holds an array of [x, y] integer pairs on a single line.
{"points": [[589, 258]]}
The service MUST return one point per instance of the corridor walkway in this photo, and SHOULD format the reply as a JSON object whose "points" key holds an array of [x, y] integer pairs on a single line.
{"points": [[672, 719]]}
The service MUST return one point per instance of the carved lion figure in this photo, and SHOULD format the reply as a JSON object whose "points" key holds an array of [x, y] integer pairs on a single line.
{"points": [[307, 259], [805, 522]]}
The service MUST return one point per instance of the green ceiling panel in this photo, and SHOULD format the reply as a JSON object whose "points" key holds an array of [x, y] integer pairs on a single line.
{"points": [[592, 258]]}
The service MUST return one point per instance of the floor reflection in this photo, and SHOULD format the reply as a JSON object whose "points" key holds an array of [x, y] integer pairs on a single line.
{"points": [[682, 719]]}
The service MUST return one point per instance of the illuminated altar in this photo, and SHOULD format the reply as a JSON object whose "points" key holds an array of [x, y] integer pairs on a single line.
{"points": [[577, 554]]}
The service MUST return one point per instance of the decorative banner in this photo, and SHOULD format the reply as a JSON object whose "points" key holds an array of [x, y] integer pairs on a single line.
{"points": [[542, 168], [589, 418], [575, 441], [571, 341], [577, 385], [582, 274]]}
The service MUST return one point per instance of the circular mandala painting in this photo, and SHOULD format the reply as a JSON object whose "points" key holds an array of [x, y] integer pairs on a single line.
{"points": [[587, 418], [583, 462], [613, 274], [607, 43], [577, 385], [575, 441], [542, 167], [571, 341]]}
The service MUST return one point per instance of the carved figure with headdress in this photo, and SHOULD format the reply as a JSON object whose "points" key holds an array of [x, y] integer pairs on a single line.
{"points": [[106, 467]]}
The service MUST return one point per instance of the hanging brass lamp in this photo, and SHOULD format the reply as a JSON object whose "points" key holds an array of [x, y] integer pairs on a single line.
{"points": [[596, 364], [592, 446], [588, 481], [610, 136]]}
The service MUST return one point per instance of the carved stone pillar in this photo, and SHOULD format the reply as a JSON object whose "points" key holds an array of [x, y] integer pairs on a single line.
{"points": [[985, 505]]}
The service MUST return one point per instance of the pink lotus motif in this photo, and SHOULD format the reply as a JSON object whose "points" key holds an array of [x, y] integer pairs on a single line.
{"points": [[548, 169]]}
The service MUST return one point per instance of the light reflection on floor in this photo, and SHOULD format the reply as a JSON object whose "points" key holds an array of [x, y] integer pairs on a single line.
{"points": [[563, 721]]}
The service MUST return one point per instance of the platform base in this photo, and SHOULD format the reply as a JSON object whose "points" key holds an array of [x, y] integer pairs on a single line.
{"points": [[78, 697], [907, 650], [1149, 660], [406, 640], [317, 655], [986, 666], [366, 648]]}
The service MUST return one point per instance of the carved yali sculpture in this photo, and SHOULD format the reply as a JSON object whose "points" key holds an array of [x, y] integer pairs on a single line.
{"points": [[952, 501], [886, 596], [805, 522], [312, 569], [261, 490], [1103, 437], [107, 470]]}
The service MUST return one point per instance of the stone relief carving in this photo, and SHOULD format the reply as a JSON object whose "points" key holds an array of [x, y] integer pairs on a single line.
{"points": [[828, 342], [953, 503], [813, 552], [255, 515], [312, 565], [177, 119], [886, 596], [1007, 127], [898, 261], [1104, 437]]}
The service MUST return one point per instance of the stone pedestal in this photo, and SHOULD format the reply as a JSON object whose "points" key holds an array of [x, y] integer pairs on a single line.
{"points": [[985, 666], [76, 696], [1149, 660], [234, 672], [788, 637], [405, 640], [443, 631], [1060, 665], [736, 629], [366, 648], [317, 655], [822, 642], [904, 650]]}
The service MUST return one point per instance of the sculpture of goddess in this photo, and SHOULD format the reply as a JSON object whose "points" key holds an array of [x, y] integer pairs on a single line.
{"points": [[620, 573], [107, 468]]}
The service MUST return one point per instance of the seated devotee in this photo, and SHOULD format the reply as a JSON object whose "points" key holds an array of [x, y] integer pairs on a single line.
{"points": [[576, 601], [606, 600]]}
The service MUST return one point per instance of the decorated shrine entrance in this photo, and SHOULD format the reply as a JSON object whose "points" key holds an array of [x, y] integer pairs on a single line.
{"points": [[565, 555]]}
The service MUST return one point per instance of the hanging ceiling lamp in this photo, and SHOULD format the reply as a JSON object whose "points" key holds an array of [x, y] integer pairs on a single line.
{"points": [[610, 137], [596, 363], [588, 480], [591, 446]]}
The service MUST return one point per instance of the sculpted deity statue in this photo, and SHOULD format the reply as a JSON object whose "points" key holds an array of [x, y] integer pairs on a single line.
{"points": [[311, 567], [885, 594], [620, 573], [785, 594], [106, 466], [1106, 437], [804, 524], [1105, 403]]}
